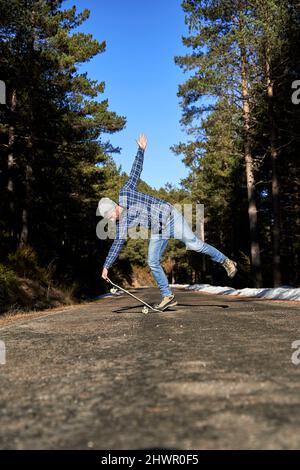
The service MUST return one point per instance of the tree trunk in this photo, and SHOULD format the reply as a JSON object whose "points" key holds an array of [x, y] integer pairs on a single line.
{"points": [[11, 165], [275, 183], [27, 199], [252, 208]]}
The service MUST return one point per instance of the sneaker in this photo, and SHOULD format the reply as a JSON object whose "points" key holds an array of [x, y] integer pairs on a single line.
{"points": [[230, 266], [166, 302]]}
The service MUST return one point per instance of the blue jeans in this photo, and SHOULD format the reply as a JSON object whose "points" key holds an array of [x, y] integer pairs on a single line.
{"points": [[178, 228]]}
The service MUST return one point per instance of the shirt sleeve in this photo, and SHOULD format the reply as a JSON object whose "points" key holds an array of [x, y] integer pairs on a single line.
{"points": [[113, 253], [117, 245], [136, 169]]}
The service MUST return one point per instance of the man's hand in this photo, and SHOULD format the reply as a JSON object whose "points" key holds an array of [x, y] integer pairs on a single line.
{"points": [[104, 273], [142, 141]]}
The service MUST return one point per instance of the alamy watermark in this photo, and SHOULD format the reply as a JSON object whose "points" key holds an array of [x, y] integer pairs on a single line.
{"points": [[160, 218], [2, 92], [2, 353], [296, 94], [296, 354]]}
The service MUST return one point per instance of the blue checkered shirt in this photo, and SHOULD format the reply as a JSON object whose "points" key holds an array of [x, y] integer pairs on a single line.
{"points": [[139, 209]]}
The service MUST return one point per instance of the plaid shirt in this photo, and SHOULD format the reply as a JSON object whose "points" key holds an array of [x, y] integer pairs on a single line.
{"points": [[138, 209]]}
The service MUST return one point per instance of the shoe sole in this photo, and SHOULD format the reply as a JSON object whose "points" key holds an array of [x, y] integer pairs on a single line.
{"points": [[172, 304], [234, 273]]}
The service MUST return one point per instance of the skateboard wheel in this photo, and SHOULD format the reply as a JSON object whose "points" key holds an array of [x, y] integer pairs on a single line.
{"points": [[113, 290], [145, 310]]}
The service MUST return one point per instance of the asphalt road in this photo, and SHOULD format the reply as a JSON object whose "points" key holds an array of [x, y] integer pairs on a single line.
{"points": [[213, 373]]}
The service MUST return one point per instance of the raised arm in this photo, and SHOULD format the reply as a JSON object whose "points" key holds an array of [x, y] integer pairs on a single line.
{"points": [[137, 166]]}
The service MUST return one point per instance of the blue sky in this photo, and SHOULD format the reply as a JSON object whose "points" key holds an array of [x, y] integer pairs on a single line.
{"points": [[142, 38]]}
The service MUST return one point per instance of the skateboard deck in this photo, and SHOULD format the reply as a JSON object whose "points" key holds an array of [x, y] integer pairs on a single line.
{"points": [[146, 307]]}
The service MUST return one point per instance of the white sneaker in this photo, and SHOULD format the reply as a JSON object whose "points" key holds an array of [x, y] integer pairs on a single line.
{"points": [[166, 302], [230, 266]]}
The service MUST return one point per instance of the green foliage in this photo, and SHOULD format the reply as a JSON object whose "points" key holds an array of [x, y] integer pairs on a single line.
{"points": [[54, 134], [8, 284], [8, 276], [212, 113], [24, 262], [62, 164]]}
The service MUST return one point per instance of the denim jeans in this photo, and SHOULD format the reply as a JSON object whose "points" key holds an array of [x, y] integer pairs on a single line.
{"points": [[178, 228]]}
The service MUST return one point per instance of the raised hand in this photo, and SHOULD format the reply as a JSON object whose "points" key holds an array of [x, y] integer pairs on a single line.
{"points": [[142, 141]]}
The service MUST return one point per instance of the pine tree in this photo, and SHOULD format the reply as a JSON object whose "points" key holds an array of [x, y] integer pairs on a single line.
{"points": [[242, 51], [220, 59], [52, 133], [277, 37]]}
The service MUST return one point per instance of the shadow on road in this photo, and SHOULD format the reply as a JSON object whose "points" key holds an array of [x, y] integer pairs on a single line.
{"points": [[132, 307]]}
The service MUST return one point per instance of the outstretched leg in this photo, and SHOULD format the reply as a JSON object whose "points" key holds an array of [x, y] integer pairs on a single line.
{"points": [[183, 232]]}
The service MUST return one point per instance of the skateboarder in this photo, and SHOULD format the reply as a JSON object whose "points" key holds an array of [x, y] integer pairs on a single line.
{"points": [[164, 220]]}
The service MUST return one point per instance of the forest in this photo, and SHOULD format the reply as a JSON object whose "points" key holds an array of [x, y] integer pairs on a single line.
{"points": [[240, 109]]}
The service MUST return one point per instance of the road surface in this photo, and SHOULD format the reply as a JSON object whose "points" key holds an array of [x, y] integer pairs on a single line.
{"points": [[214, 373]]}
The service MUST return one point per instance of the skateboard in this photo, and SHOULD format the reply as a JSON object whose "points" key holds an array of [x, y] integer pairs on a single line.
{"points": [[146, 307]]}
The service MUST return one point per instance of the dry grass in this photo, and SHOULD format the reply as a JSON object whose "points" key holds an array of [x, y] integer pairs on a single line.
{"points": [[14, 315], [30, 298]]}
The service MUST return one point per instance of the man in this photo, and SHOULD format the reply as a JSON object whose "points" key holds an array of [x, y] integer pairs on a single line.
{"points": [[136, 208]]}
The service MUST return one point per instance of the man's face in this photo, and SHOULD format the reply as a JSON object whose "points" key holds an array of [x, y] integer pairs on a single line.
{"points": [[114, 214]]}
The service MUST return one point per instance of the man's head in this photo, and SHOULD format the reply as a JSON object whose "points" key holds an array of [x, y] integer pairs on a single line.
{"points": [[109, 209]]}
